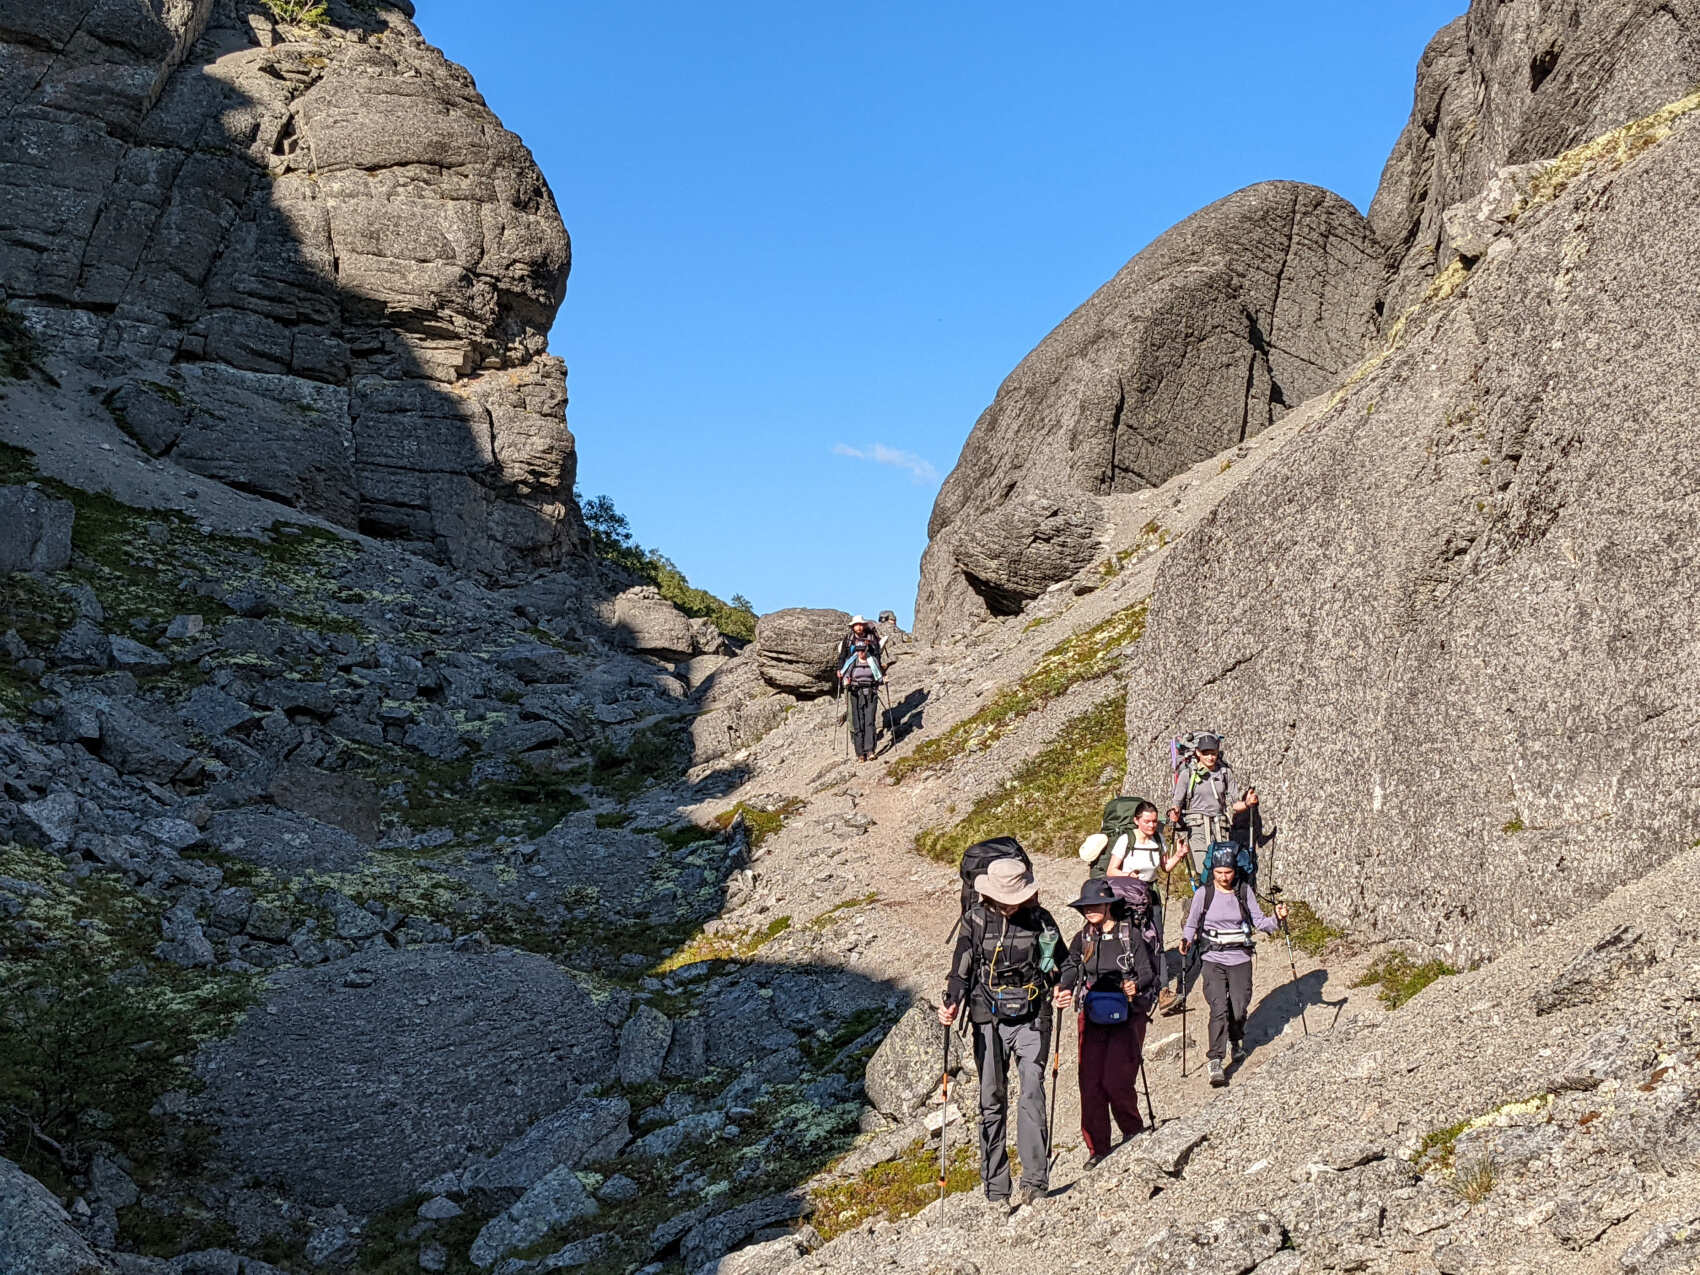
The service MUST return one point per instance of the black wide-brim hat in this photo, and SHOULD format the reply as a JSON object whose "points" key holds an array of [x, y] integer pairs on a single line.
{"points": [[1096, 893]]}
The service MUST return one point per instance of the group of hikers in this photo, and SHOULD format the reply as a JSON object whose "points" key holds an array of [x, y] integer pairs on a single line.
{"points": [[1015, 977], [861, 670]]}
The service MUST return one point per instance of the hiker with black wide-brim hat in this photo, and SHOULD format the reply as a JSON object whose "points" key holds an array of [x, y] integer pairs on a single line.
{"points": [[1008, 951], [1226, 914], [1108, 978], [861, 676]]}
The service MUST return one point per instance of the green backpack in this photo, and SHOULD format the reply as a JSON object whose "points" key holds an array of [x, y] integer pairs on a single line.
{"points": [[1118, 819]]}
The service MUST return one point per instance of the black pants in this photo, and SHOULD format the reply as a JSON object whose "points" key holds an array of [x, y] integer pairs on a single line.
{"points": [[864, 718], [1228, 989]]}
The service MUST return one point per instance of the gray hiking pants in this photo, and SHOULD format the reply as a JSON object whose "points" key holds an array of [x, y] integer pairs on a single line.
{"points": [[994, 1045], [1228, 990]]}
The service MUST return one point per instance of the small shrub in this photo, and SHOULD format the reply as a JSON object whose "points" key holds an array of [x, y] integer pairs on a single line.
{"points": [[1400, 977], [761, 823], [299, 13], [1514, 824]]}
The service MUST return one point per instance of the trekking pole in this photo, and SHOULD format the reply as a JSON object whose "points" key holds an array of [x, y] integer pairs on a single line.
{"points": [[1056, 1066], [944, 1115], [1150, 1111], [1294, 965]]}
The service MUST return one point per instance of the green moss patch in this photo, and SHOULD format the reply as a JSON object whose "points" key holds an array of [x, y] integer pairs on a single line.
{"points": [[761, 823], [1053, 802], [727, 945], [894, 1190], [1086, 656], [654, 754], [1401, 978]]}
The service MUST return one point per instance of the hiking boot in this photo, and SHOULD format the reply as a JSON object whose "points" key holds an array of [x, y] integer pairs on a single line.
{"points": [[1239, 1051], [1093, 1161], [1175, 1005], [1218, 1077], [1026, 1196]]}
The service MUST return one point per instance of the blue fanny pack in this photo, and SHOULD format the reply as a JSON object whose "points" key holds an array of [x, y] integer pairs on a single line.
{"points": [[1106, 1009]]}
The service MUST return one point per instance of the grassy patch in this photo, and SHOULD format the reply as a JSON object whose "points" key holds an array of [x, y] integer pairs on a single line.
{"points": [[1401, 978], [1435, 1151], [1473, 1182], [613, 818], [1053, 801], [1310, 933], [677, 838], [442, 795], [1513, 825], [727, 945], [761, 823], [894, 1190], [1081, 658], [1613, 149]]}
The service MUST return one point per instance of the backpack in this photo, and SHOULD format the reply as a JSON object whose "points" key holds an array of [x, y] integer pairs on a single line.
{"points": [[1012, 963], [1117, 822], [982, 855], [1245, 859]]}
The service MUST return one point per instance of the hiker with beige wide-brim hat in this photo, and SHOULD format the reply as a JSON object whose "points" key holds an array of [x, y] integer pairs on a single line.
{"points": [[1008, 951]]}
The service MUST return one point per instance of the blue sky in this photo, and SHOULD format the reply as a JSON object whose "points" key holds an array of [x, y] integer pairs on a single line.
{"points": [[809, 241]]}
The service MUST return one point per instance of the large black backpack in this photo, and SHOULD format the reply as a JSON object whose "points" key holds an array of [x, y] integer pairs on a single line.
{"points": [[982, 855]]}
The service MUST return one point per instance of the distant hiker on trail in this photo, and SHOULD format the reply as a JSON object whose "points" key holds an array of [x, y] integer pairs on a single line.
{"points": [[861, 634], [1115, 972], [1226, 912], [861, 676], [1206, 798], [1005, 964]]}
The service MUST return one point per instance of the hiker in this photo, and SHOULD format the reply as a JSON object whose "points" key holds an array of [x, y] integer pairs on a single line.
{"points": [[1140, 858], [1206, 798], [1226, 912], [860, 634], [861, 677], [1005, 964], [1115, 972]]}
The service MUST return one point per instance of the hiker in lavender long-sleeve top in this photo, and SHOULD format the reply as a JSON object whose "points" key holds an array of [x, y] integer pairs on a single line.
{"points": [[1226, 912]]}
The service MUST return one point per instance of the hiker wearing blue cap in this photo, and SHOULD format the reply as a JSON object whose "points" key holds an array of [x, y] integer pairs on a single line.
{"points": [[1226, 913]]}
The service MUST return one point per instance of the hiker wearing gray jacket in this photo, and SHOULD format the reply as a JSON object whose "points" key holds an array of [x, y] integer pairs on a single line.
{"points": [[1207, 792], [1226, 913]]}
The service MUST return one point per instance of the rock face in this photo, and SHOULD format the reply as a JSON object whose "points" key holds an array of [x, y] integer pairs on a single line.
{"points": [[1458, 685], [796, 648], [35, 531], [308, 262], [1244, 309], [1513, 82], [361, 1094], [36, 1236]]}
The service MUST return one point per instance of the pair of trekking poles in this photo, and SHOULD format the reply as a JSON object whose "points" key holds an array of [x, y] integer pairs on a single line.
{"points": [[1051, 1119]]}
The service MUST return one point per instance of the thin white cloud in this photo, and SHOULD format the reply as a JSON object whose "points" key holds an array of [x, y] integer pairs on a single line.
{"points": [[921, 471]]}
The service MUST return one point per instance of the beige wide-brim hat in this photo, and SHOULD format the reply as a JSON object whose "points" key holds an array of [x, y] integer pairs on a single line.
{"points": [[858, 619], [1006, 881]]}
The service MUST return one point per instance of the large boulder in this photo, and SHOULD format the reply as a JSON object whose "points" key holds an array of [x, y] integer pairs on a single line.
{"points": [[1511, 82], [312, 262], [797, 649], [357, 1095], [1241, 311], [646, 622], [36, 1236], [905, 1070], [1460, 686], [35, 530]]}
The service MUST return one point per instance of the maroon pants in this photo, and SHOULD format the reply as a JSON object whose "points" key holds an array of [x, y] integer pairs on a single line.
{"points": [[1109, 1078]]}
